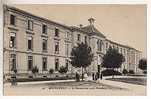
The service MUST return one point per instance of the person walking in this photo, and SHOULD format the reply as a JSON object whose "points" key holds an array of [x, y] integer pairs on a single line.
{"points": [[93, 76], [98, 75], [101, 76], [77, 77]]}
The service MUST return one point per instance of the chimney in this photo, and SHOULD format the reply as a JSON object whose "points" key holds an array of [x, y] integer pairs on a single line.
{"points": [[91, 21]]}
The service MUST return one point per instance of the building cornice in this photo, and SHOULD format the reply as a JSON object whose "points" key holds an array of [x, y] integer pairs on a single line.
{"points": [[27, 14]]}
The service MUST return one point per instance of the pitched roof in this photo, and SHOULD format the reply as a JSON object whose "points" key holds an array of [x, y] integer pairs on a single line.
{"points": [[93, 31], [75, 28]]}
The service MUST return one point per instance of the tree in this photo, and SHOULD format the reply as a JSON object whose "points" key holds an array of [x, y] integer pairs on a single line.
{"points": [[81, 56], [112, 59], [143, 64]]}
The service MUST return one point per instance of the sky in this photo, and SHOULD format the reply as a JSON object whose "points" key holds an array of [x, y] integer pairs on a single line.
{"points": [[124, 24]]}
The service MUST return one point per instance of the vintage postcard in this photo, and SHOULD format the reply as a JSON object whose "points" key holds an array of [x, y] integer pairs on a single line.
{"points": [[91, 49]]}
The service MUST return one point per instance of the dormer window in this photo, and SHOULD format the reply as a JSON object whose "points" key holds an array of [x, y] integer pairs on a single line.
{"points": [[12, 19], [30, 25]]}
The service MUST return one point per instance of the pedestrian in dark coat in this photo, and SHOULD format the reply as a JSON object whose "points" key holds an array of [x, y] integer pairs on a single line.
{"points": [[93, 76], [101, 76], [77, 77], [98, 75]]}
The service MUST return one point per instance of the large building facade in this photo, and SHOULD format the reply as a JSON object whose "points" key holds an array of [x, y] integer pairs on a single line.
{"points": [[31, 41]]}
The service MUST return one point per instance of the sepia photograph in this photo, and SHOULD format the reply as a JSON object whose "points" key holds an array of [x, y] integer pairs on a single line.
{"points": [[75, 49]]}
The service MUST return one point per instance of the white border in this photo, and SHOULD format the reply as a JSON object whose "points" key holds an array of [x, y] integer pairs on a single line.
{"points": [[82, 2], [76, 1]]}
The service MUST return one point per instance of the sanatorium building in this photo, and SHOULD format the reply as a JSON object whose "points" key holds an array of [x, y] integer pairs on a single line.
{"points": [[31, 40]]}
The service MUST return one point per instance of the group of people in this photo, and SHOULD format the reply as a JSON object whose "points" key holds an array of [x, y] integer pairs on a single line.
{"points": [[97, 75]]}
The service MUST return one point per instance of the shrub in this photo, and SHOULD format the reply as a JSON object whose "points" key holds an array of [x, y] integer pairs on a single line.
{"points": [[30, 76], [125, 71], [15, 71], [144, 72], [63, 69], [110, 72], [51, 71], [131, 71], [35, 70]]}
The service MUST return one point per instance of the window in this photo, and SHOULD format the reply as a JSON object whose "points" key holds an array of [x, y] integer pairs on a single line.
{"points": [[124, 51], [57, 48], [30, 25], [99, 45], [67, 35], [13, 62], [12, 19], [13, 40], [30, 43], [110, 46], [56, 64], [44, 45], [106, 45], [117, 48], [57, 32], [44, 63], [67, 50], [85, 39], [121, 50], [78, 37], [113, 46], [67, 63], [30, 62], [44, 29]]}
